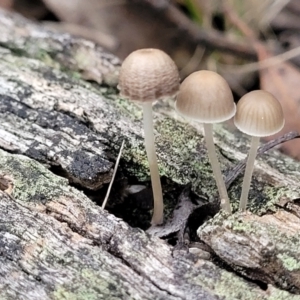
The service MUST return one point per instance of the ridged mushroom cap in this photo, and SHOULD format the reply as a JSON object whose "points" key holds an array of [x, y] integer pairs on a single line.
{"points": [[205, 96], [259, 114], [148, 75]]}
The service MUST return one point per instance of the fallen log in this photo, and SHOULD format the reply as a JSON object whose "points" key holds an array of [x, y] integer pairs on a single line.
{"points": [[59, 138]]}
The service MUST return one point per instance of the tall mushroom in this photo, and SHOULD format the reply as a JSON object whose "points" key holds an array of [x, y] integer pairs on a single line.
{"points": [[259, 114], [148, 75], [206, 97]]}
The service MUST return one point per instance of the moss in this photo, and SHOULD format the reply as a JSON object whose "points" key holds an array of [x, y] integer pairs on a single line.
{"points": [[32, 181], [183, 158], [273, 194], [17, 51], [189, 163], [76, 76], [239, 289], [89, 286], [44, 57], [84, 294], [227, 285], [289, 262], [264, 198], [241, 227], [276, 294], [128, 108]]}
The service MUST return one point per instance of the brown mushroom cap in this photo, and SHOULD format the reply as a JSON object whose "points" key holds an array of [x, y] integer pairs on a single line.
{"points": [[148, 75], [206, 97], [259, 114]]}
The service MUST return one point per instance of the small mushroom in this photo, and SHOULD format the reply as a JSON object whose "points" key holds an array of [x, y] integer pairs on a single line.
{"points": [[206, 97], [259, 114], [148, 75]]}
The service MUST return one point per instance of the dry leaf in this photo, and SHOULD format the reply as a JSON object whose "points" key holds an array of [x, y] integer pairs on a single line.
{"points": [[283, 80], [6, 4]]}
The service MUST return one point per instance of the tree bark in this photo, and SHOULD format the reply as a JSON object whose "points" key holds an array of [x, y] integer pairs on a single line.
{"points": [[56, 243]]}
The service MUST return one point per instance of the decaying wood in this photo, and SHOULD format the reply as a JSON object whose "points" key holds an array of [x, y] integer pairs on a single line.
{"points": [[55, 243], [264, 248], [211, 39]]}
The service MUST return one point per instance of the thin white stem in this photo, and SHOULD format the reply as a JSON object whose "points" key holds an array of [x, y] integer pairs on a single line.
{"points": [[158, 210], [113, 176], [211, 150], [248, 172]]}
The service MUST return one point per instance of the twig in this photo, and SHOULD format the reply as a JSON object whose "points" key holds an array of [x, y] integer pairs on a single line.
{"points": [[177, 222], [234, 173], [194, 61], [211, 39], [243, 27], [113, 176], [237, 21], [263, 64]]}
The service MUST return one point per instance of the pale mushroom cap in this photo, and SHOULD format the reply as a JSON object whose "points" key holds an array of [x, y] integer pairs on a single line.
{"points": [[148, 75], [206, 97], [259, 114]]}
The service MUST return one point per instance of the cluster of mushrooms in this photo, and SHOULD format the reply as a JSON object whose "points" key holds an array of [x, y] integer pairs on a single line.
{"points": [[148, 75]]}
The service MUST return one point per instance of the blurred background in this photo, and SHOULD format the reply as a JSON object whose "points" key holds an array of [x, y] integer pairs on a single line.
{"points": [[253, 44]]}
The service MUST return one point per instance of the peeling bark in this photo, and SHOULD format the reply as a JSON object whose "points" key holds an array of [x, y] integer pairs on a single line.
{"points": [[55, 243]]}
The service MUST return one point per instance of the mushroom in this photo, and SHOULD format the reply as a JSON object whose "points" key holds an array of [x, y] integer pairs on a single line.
{"points": [[259, 114], [206, 97], [148, 75]]}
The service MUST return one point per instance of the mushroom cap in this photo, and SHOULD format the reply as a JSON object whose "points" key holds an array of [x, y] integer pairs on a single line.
{"points": [[205, 96], [259, 114], [148, 75]]}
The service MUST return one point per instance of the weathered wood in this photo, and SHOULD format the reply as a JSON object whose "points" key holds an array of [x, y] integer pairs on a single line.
{"points": [[262, 248], [57, 244]]}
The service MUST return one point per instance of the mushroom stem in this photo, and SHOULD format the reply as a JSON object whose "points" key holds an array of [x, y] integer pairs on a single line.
{"points": [[248, 172], [158, 209], [225, 204]]}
